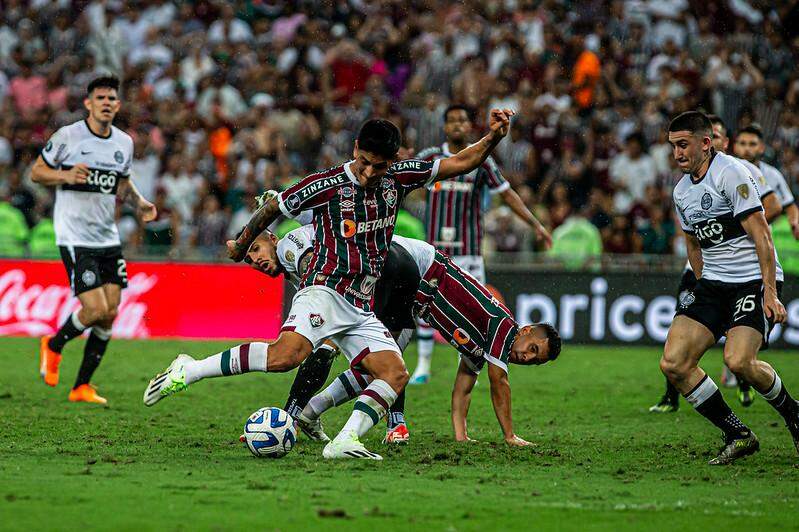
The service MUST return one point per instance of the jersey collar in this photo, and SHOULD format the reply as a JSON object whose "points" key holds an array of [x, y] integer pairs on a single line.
{"points": [[110, 131], [349, 173], [445, 149], [713, 154]]}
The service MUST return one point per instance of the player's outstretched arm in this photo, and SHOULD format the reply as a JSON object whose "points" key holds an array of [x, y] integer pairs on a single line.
{"points": [[500, 397], [771, 207], [758, 230], [792, 212], [473, 156], [516, 204], [45, 174], [130, 195], [259, 221], [461, 399]]}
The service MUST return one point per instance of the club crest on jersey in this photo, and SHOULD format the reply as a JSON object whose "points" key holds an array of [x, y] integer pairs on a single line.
{"points": [[686, 298], [390, 196], [316, 320], [707, 201], [292, 202], [460, 336], [89, 278], [743, 190], [49, 146], [346, 192], [118, 157], [290, 256]]}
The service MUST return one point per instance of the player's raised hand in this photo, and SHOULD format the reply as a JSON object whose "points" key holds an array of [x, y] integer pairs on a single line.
{"points": [[515, 441], [77, 175], [499, 121], [146, 211], [234, 251], [773, 308]]}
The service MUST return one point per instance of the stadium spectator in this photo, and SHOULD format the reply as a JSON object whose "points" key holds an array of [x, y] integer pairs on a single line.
{"points": [[631, 172]]}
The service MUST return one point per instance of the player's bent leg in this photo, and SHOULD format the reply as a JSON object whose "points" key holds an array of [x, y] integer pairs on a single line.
{"points": [[424, 347], [670, 402], [397, 430], [740, 354]]}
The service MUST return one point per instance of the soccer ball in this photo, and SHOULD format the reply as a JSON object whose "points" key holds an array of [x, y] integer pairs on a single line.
{"points": [[269, 433]]}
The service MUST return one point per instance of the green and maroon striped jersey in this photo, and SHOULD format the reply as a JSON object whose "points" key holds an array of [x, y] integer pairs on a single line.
{"points": [[454, 216], [353, 225], [466, 314]]}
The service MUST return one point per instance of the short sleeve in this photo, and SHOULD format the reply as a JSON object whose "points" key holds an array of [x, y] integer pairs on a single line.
{"points": [[415, 173], [500, 344], [493, 177], [128, 160], [292, 247], [738, 185], [781, 188], [310, 192], [56, 150], [762, 183]]}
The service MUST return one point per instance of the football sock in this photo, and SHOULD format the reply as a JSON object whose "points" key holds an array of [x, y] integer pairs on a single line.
{"points": [[424, 343], [672, 395], [371, 405], [346, 386], [243, 358], [707, 400], [92, 354], [71, 328], [311, 376], [396, 414], [778, 397]]}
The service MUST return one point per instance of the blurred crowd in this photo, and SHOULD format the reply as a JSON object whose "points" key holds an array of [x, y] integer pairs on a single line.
{"points": [[227, 99]]}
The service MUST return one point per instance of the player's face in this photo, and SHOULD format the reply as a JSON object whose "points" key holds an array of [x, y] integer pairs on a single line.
{"points": [[720, 140], [263, 256], [457, 126], [368, 167], [689, 150], [530, 348], [103, 104], [747, 146]]}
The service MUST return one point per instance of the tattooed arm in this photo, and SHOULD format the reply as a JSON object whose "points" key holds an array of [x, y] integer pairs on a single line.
{"points": [[260, 220], [130, 195]]}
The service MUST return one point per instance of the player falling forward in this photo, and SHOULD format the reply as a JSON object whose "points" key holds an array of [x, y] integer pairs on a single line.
{"points": [[454, 218], [89, 164], [355, 206], [771, 208], [737, 295]]}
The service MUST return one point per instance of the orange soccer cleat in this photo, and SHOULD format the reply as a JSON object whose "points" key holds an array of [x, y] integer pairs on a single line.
{"points": [[398, 434], [85, 393], [49, 361]]}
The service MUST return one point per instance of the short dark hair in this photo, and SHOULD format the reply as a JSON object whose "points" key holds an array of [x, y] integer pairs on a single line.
{"points": [[637, 136], [459, 107], [752, 129], [715, 120], [693, 122], [379, 136], [553, 340], [109, 82]]}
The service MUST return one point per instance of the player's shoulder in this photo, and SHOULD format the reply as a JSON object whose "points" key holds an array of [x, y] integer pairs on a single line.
{"points": [[327, 172], [682, 187], [431, 152], [725, 167]]}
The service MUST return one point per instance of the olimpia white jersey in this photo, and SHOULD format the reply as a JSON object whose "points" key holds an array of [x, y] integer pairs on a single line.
{"points": [[423, 253], [84, 214], [777, 181], [711, 210]]}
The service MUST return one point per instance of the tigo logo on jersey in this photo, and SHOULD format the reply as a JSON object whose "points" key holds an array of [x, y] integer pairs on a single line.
{"points": [[316, 320], [461, 336], [104, 181]]}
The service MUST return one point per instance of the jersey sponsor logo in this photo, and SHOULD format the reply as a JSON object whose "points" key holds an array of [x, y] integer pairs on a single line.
{"points": [[316, 320], [88, 277], [368, 284], [359, 294], [350, 228], [743, 190], [686, 298], [453, 186], [346, 192], [460, 336], [717, 230], [347, 205], [297, 242], [322, 184], [104, 182], [118, 157], [707, 201], [290, 256], [85, 152], [406, 165]]}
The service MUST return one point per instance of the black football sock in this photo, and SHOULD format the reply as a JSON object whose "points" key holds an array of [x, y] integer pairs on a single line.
{"points": [[778, 397], [396, 413], [707, 400], [310, 378], [672, 395], [71, 328], [92, 354]]}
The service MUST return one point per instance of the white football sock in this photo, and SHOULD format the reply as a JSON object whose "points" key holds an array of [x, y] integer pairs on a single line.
{"points": [[346, 386], [424, 344], [243, 358], [370, 407]]}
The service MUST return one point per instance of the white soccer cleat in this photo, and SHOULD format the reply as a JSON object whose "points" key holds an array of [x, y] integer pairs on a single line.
{"points": [[348, 446], [170, 382], [312, 428]]}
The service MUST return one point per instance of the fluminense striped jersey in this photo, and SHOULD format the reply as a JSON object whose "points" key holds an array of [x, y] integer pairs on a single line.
{"points": [[454, 215], [466, 314], [353, 225]]}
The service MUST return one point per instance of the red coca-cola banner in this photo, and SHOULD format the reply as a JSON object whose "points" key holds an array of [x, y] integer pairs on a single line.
{"points": [[162, 300]]}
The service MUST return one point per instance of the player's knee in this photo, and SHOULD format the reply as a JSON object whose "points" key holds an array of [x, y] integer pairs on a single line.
{"points": [[93, 314], [673, 367], [737, 364], [110, 316]]}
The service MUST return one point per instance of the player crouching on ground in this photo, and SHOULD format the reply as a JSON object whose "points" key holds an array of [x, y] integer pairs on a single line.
{"points": [[731, 252]]}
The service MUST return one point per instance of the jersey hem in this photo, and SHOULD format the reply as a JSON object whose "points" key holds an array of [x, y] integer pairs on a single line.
{"points": [[500, 189]]}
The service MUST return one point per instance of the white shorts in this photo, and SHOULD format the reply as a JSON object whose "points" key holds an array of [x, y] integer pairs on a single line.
{"points": [[319, 313], [473, 265]]}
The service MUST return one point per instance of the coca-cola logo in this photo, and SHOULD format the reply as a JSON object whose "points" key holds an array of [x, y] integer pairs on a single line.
{"points": [[35, 310]]}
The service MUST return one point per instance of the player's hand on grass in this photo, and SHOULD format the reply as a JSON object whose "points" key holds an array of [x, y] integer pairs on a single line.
{"points": [[499, 121], [515, 441], [146, 211], [234, 251], [77, 175], [773, 307]]}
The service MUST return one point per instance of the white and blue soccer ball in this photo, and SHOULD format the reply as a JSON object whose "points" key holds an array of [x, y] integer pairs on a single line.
{"points": [[269, 433]]}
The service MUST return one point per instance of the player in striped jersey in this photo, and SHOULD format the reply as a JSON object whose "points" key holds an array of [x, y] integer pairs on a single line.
{"points": [[454, 218], [670, 402], [354, 210]]}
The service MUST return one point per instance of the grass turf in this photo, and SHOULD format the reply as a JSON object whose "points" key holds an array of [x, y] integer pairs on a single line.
{"points": [[601, 460]]}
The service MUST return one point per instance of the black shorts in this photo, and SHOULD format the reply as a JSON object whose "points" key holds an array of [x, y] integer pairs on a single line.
{"points": [[687, 283], [720, 306], [90, 268], [395, 292]]}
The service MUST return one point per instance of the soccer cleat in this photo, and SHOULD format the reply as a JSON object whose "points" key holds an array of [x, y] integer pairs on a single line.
{"points": [[348, 446], [86, 393], [398, 434], [737, 448], [746, 396], [49, 361], [170, 382], [312, 428], [419, 379], [665, 405], [728, 378], [793, 428]]}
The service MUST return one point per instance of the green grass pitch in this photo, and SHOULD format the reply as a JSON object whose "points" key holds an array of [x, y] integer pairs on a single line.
{"points": [[601, 460]]}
